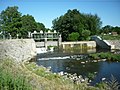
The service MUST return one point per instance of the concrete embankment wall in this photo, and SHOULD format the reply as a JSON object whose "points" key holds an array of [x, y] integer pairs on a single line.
{"points": [[17, 49], [81, 44], [49, 43], [116, 43]]}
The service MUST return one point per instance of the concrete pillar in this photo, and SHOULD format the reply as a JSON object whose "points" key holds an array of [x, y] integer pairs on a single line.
{"points": [[45, 43], [10, 37], [45, 38], [72, 45], [63, 46], [17, 36], [59, 40]]}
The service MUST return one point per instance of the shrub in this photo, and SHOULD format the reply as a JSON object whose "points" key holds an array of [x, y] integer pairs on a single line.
{"points": [[113, 84], [73, 36], [109, 56]]}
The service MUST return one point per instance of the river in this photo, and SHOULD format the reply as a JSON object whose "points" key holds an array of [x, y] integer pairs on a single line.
{"points": [[77, 62]]}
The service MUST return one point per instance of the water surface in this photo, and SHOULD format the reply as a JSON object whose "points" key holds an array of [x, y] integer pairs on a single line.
{"points": [[59, 61]]}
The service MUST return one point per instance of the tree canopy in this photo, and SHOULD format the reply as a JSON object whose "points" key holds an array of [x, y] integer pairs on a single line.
{"points": [[12, 22], [74, 21], [108, 29]]}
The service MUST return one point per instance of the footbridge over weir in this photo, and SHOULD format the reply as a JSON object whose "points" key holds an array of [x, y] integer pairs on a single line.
{"points": [[45, 39]]}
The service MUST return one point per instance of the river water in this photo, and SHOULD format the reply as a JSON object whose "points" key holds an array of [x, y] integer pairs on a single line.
{"points": [[78, 62]]}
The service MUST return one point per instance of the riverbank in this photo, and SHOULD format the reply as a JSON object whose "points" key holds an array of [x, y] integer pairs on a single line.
{"points": [[28, 76]]}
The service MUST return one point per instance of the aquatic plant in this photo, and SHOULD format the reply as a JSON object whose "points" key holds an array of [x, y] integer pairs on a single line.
{"points": [[107, 55]]}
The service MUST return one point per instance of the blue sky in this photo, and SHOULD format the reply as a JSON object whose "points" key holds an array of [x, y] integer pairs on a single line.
{"points": [[45, 11]]}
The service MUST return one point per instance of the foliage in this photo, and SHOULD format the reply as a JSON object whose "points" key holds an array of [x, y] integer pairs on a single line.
{"points": [[113, 84], [102, 86], [10, 20], [86, 34], [40, 26], [13, 23], [12, 79], [28, 22], [91, 76], [107, 55], [73, 36], [74, 21], [108, 29]]}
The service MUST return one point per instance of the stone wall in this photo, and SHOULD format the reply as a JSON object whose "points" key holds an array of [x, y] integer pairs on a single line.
{"points": [[17, 49], [116, 43]]}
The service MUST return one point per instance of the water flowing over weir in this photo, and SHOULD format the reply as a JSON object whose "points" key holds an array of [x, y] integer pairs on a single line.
{"points": [[79, 63]]}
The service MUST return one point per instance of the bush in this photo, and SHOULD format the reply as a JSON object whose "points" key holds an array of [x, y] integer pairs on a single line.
{"points": [[73, 36], [94, 56], [109, 56], [86, 34]]}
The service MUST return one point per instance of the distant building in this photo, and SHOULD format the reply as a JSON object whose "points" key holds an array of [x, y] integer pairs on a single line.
{"points": [[114, 33]]}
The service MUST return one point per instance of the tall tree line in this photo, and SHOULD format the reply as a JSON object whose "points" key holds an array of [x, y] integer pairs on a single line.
{"points": [[108, 29], [13, 22], [74, 25]]}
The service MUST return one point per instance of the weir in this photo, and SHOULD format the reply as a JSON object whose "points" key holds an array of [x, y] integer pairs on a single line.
{"points": [[80, 44]]}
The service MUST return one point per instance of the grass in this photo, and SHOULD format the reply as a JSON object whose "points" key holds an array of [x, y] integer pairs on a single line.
{"points": [[108, 56], [12, 79], [110, 37]]}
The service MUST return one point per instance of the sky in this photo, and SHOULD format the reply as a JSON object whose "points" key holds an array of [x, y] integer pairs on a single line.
{"points": [[45, 11]]}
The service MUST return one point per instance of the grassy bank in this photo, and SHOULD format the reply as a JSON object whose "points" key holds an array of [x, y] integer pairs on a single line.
{"points": [[110, 37], [29, 76], [12, 77], [108, 56], [52, 81]]}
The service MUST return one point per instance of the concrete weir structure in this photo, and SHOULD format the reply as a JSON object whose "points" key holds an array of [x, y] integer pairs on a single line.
{"points": [[81, 44], [45, 39]]}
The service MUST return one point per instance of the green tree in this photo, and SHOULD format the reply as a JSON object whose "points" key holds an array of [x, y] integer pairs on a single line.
{"points": [[68, 23], [85, 34], [10, 20], [92, 23], [74, 21], [40, 26], [28, 25], [106, 29], [73, 36], [116, 29]]}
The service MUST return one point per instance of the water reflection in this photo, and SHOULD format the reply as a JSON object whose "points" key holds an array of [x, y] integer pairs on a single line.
{"points": [[80, 51]]}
